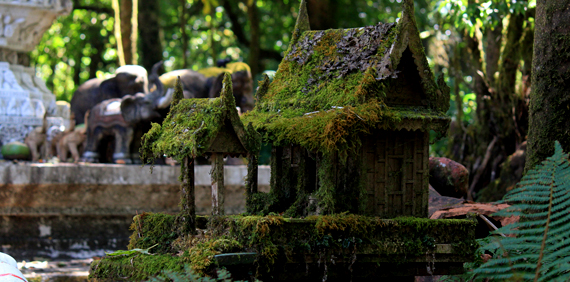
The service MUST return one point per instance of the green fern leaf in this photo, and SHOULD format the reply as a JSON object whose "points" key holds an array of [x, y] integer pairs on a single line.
{"points": [[540, 247]]}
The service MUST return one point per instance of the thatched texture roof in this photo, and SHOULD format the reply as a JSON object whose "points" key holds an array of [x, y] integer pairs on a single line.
{"points": [[334, 85], [195, 127]]}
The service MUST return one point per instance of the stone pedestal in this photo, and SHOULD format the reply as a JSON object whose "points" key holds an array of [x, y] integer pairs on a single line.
{"points": [[18, 112], [24, 97]]}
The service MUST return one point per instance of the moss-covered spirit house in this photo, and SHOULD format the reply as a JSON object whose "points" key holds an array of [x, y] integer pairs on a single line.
{"points": [[349, 113], [202, 127]]}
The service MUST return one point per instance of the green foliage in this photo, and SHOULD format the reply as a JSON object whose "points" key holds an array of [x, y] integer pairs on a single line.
{"points": [[484, 13], [539, 246], [76, 48]]}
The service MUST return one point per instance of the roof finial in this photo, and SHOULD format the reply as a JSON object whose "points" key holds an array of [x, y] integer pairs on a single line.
{"points": [[178, 92], [227, 90], [408, 10], [302, 23], [263, 87]]}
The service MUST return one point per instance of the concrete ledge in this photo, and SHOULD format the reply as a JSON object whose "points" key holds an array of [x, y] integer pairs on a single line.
{"points": [[101, 174], [77, 211]]}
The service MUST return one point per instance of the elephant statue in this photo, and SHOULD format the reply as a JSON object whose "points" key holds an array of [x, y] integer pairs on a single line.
{"points": [[128, 79], [207, 83], [121, 117]]}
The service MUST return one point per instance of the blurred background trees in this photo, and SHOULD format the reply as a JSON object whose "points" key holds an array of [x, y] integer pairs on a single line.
{"points": [[483, 47]]}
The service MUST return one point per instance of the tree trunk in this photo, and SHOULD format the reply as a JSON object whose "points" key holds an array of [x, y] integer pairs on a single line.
{"points": [[149, 31], [185, 39], [321, 14], [496, 134], [98, 46], [549, 99], [126, 12], [493, 51], [254, 47], [134, 31], [118, 33]]}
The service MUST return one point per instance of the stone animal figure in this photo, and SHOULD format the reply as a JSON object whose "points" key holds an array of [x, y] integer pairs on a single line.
{"points": [[207, 83], [72, 141], [119, 118], [36, 139], [129, 79]]}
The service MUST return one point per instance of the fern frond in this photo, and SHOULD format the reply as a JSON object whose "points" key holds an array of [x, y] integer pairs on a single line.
{"points": [[540, 248]]}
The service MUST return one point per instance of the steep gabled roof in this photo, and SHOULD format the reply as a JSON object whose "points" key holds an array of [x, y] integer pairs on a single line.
{"points": [[197, 126], [334, 84]]}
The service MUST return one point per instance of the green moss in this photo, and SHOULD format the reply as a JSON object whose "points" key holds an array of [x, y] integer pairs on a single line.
{"points": [[192, 125], [201, 255], [186, 129], [150, 229], [135, 267]]}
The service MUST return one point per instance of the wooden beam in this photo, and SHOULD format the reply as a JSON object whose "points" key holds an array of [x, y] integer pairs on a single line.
{"points": [[251, 179], [217, 174], [187, 217]]}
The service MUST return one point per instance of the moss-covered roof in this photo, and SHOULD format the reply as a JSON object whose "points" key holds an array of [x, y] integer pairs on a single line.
{"points": [[335, 84], [197, 126]]}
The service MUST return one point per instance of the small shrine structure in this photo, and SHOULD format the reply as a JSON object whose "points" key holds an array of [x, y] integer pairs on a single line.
{"points": [[203, 127], [349, 114]]}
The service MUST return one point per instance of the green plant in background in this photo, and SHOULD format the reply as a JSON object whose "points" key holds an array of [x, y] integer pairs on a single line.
{"points": [[540, 244]]}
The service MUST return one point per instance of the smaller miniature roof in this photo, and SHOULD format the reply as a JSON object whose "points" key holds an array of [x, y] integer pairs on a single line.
{"points": [[195, 127]]}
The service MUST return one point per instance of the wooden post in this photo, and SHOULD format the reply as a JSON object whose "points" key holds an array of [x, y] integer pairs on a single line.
{"points": [[217, 174], [251, 179], [187, 217]]}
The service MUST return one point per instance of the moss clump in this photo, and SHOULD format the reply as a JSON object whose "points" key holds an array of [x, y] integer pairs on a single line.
{"points": [[201, 252], [192, 124], [185, 130], [135, 267], [150, 229]]}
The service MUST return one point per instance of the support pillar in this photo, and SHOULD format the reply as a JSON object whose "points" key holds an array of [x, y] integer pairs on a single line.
{"points": [[218, 191], [251, 179], [187, 217]]}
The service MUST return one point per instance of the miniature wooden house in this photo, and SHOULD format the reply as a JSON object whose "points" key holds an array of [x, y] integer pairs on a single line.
{"points": [[348, 114], [202, 127]]}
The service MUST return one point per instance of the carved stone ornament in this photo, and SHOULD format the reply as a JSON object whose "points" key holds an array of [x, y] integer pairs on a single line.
{"points": [[24, 97], [23, 22]]}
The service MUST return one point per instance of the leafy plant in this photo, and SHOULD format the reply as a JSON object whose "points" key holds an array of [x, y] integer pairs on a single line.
{"points": [[537, 246]]}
